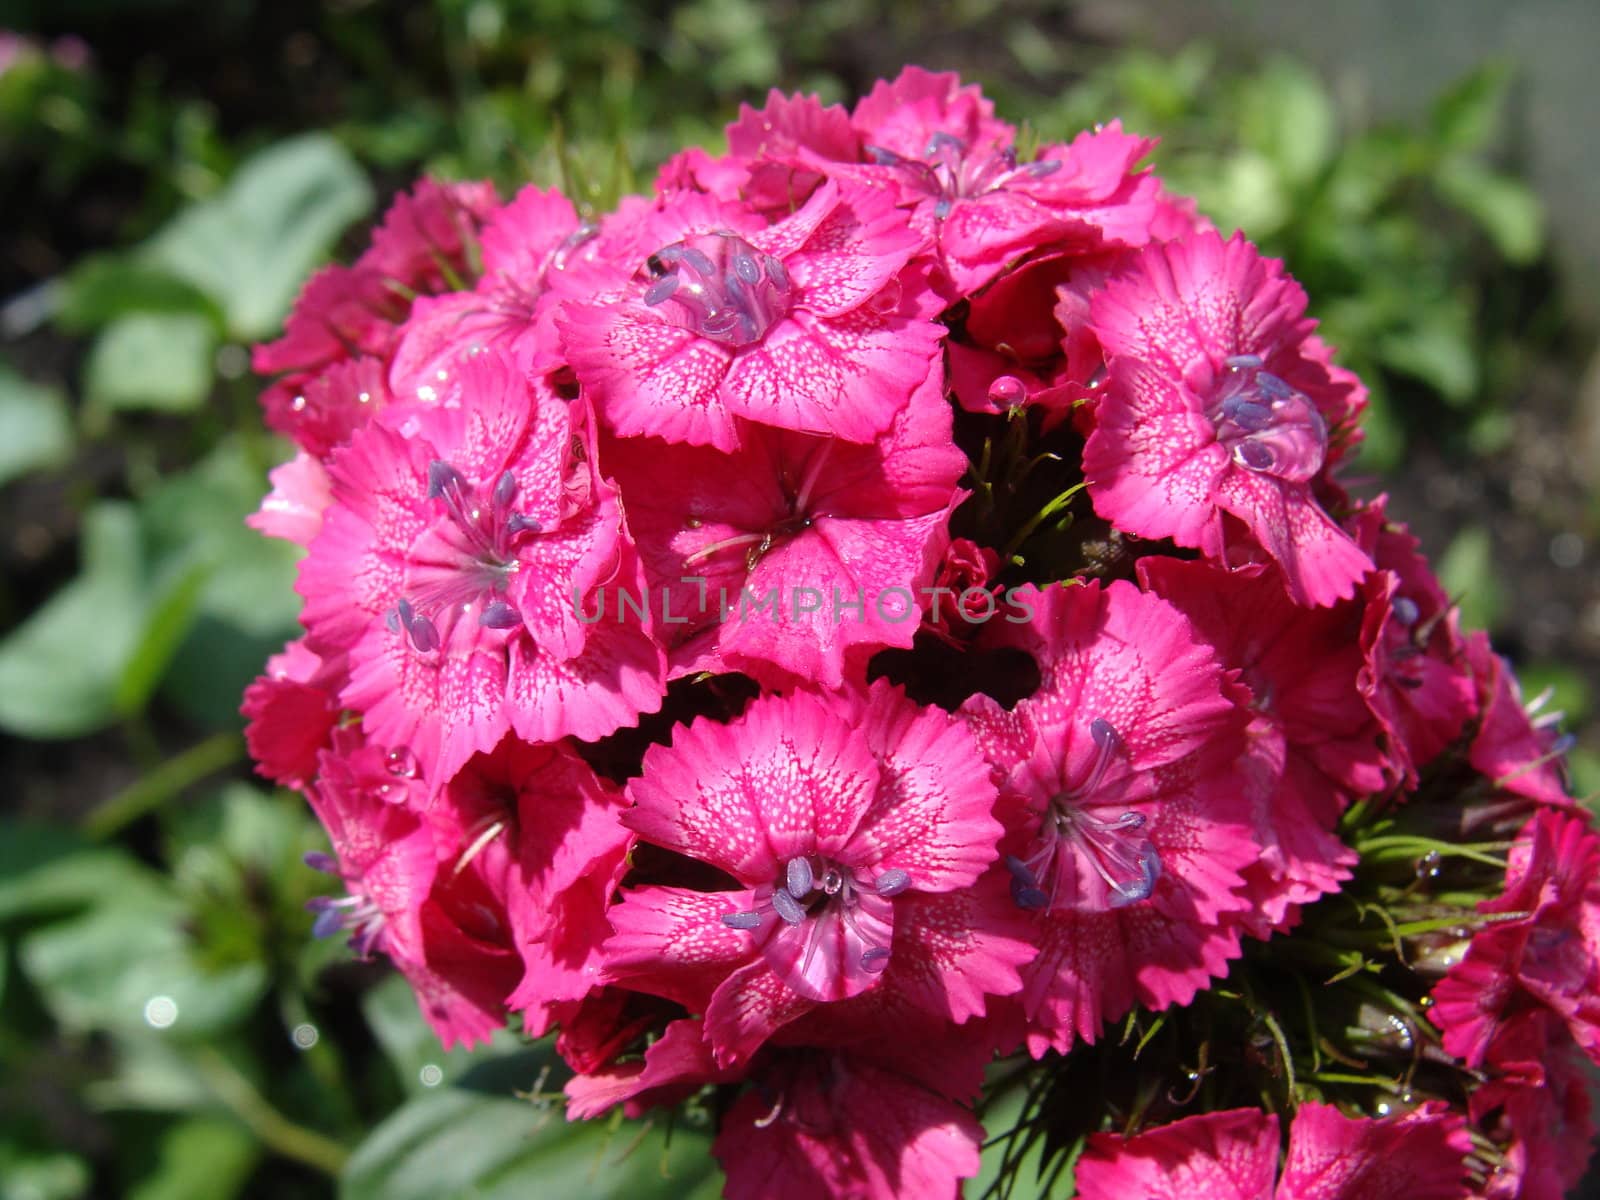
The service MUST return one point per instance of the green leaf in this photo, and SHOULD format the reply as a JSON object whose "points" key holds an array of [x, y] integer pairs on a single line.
{"points": [[159, 361], [197, 518], [29, 1174], [1506, 209], [410, 1044], [1437, 347], [1467, 570], [204, 1158], [35, 430], [1466, 118], [59, 669], [454, 1144], [128, 966], [46, 870], [1289, 118], [103, 287], [250, 247]]}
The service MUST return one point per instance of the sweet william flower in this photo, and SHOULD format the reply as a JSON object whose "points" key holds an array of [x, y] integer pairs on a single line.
{"points": [[802, 325], [832, 816], [1233, 1155], [1544, 951], [1211, 410], [1128, 828], [785, 557], [447, 566]]}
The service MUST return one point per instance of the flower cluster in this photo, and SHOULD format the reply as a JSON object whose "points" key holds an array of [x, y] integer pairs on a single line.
{"points": [[887, 602]]}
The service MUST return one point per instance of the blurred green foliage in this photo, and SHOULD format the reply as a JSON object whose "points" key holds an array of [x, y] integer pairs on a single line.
{"points": [[167, 1028]]}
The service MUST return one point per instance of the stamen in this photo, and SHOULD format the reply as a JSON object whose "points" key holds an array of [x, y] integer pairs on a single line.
{"points": [[318, 861], [722, 286], [1265, 425], [499, 615], [799, 878], [742, 920], [874, 959], [892, 883], [788, 907]]}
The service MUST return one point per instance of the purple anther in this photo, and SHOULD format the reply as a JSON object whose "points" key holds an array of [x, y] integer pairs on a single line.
{"points": [[329, 920], [742, 920], [422, 632], [1045, 166], [497, 614], [505, 491], [1031, 898], [1266, 425], [1405, 610], [1242, 362], [721, 287], [788, 907], [892, 883], [798, 877], [1104, 734], [661, 289], [518, 523], [442, 479], [1133, 890], [1020, 871], [874, 959], [319, 861]]}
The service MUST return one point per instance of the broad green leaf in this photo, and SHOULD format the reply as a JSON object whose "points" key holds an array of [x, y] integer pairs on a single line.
{"points": [[197, 518], [1468, 571], [103, 287], [46, 870], [1506, 208], [1466, 118], [30, 1174], [151, 1074], [410, 1044], [251, 247], [1438, 347], [1289, 118], [59, 669], [455, 1144], [35, 430], [149, 360], [128, 966], [204, 1158]]}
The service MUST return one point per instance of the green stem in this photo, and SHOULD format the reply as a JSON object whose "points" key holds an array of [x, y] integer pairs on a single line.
{"points": [[149, 792], [276, 1131]]}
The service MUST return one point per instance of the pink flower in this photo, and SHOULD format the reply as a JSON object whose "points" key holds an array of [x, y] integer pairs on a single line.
{"points": [[801, 325], [1232, 1155], [558, 826], [451, 566], [528, 249], [1515, 746], [291, 712], [1128, 827], [292, 510], [428, 239], [1537, 1115], [1213, 408], [828, 1124], [937, 146], [783, 558], [767, 145], [1416, 677], [1311, 745], [412, 897], [1545, 951], [834, 817]]}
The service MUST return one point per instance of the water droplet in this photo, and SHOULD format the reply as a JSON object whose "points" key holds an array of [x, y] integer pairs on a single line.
{"points": [[305, 1036], [160, 1012], [402, 763], [431, 1075]]}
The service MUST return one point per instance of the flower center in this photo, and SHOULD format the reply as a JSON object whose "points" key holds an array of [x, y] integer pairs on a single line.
{"points": [[1266, 425], [948, 171], [723, 287], [814, 893], [463, 559], [360, 915], [1081, 858]]}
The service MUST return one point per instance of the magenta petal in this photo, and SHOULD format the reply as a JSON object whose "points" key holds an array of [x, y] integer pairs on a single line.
{"points": [[1420, 1156], [1229, 1155]]}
